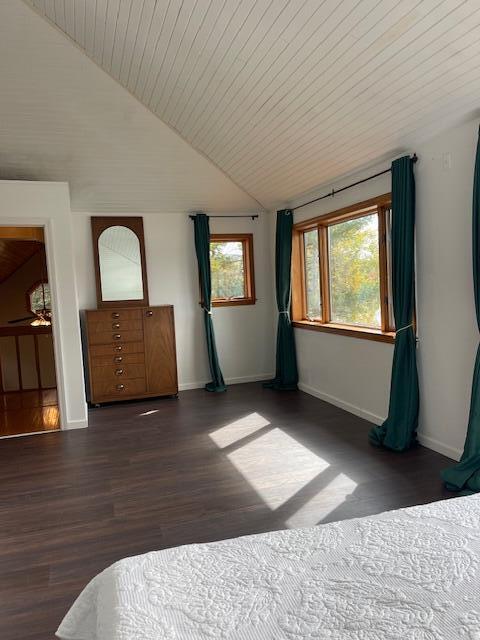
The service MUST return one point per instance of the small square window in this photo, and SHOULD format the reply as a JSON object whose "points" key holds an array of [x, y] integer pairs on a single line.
{"points": [[231, 267]]}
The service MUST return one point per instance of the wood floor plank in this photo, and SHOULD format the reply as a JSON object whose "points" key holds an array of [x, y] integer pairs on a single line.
{"points": [[28, 412], [156, 474]]}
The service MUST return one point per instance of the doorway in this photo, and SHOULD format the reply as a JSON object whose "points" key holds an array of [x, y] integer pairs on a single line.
{"points": [[28, 386]]}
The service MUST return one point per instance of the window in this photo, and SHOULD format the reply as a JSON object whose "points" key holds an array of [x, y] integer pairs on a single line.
{"points": [[39, 297], [231, 265], [312, 275], [341, 280], [353, 251]]}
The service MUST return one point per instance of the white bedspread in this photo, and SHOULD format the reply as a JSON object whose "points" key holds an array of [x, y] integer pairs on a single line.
{"points": [[411, 574]]}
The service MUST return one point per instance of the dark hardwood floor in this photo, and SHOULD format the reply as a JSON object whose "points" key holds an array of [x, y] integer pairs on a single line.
{"points": [[161, 473]]}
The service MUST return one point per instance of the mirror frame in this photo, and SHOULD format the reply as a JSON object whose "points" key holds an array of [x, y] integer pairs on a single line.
{"points": [[135, 224]]}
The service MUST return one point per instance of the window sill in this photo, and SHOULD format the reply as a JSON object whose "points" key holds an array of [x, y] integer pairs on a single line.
{"points": [[346, 330], [233, 303]]}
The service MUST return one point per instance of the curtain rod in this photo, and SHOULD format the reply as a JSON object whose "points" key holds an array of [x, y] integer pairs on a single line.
{"points": [[333, 192], [192, 217]]}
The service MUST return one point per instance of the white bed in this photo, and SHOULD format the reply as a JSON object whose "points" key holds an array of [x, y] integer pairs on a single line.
{"points": [[411, 574]]}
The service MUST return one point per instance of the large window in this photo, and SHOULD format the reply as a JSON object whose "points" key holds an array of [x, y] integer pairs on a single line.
{"points": [[231, 265], [341, 277]]}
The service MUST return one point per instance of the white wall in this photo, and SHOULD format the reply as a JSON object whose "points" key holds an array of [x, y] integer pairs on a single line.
{"points": [[349, 372], [446, 310], [48, 204], [244, 333], [355, 373]]}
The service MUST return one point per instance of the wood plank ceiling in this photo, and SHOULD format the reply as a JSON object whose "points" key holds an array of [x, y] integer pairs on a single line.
{"points": [[284, 95], [14, 254], [62, 118]]}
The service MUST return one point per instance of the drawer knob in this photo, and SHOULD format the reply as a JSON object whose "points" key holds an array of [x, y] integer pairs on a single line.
{"points": [[118, 347], [119, 372], [149, 314], [118, 359], [117, 336], [120, 387], [116, 325], [115, 315]]}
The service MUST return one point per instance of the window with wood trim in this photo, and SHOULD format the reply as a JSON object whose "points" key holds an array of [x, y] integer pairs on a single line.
{"points": [[341, 271], [231, 266], [39, 297]]}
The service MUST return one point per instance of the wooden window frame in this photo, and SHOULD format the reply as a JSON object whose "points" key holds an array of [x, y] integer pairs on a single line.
{"points": [[247, 243], [379, 205]]}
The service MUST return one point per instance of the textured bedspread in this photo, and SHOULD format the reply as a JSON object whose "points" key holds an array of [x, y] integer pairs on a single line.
{"points": [[411, 574]]}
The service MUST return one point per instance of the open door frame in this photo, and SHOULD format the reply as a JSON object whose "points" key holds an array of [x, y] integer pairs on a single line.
{"points": [[47, 205]]}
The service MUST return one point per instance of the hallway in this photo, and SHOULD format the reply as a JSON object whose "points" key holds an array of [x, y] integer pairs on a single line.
{"points": [[24, 412]]}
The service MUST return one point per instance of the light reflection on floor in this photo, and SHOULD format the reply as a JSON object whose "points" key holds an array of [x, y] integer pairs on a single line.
{"points": [[321, 504], [29, 411], [286, 475], [235, 431]]}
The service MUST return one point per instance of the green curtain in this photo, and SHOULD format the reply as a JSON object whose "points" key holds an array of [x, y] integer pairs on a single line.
{"points": [[399, 430], [466, 474], [286, 375], [202, 248]]}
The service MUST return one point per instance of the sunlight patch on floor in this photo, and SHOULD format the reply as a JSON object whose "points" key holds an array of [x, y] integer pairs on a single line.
{"points": [[235, 431], [276, 466], [323, 503], [51, 417]]}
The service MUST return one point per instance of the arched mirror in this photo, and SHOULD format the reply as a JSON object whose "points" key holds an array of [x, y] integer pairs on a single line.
{"points": [[119, 254]]}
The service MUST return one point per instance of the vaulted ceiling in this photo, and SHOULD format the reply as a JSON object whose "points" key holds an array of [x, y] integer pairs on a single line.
{"points": [[14, 254], [64, 119], [284, 95]]}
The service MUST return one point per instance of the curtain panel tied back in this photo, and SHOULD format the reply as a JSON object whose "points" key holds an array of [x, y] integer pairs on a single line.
{"points": [[202, 249], [465, 476], [286, 374], [399, 431]]}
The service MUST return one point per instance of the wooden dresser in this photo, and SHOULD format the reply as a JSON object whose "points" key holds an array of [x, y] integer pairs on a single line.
{"points": [[129, 353]]}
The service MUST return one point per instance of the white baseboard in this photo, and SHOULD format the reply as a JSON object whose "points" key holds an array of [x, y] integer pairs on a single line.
{"points": [[30, 433], [259, 377], [426, 441], [186, 386], [440, 447], [75, 424], [351, 408]]}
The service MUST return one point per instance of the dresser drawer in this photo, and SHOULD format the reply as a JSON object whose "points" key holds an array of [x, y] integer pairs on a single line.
{"points": [[123, 371], [129, 353], [112, 337], [109, 390], [114, 315], [117, 326], [116, 348], [118, 358]]}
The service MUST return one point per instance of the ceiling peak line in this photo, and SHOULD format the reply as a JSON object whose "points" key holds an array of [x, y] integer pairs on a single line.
{"points": [[32, 7]]}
